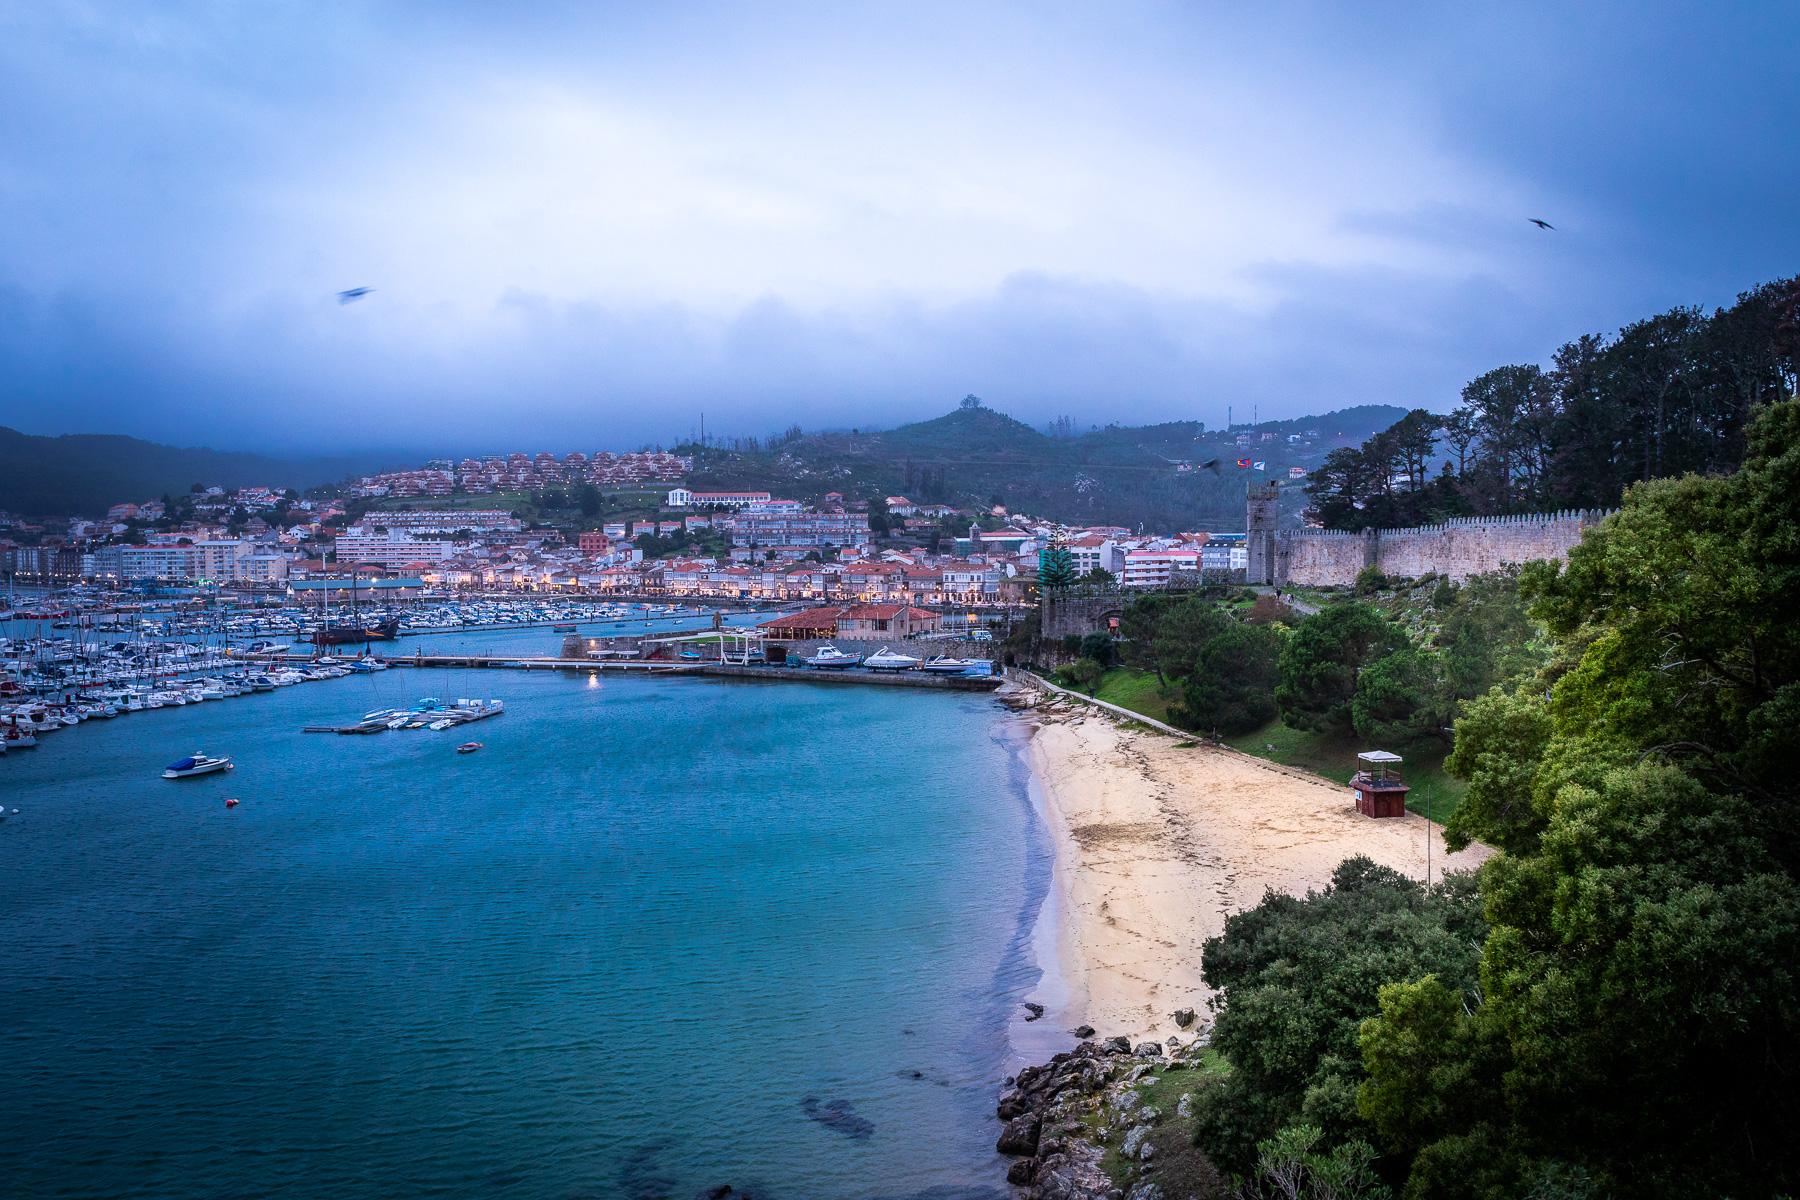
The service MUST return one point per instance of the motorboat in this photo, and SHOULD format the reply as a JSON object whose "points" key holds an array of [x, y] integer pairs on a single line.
{"points": [[468, 747], [195, 764], [831, 658], [887, 660], [943, 664]]}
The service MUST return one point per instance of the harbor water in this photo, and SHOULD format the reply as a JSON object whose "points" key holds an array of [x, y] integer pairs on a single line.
{"points": [[657, 936]]}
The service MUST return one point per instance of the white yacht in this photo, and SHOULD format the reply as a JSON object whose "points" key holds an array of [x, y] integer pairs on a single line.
{"points": [[195, 764], [886, 660], [831, 658]]}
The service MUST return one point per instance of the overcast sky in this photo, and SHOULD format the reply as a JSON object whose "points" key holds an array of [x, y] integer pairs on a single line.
{"points": [[587, 225]]}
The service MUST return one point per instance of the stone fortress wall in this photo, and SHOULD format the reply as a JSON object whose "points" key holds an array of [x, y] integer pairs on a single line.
{"points": [[1456, 549]]}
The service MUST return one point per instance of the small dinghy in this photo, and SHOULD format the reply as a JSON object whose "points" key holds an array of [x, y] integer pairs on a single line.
{"points": [[468, 747]]}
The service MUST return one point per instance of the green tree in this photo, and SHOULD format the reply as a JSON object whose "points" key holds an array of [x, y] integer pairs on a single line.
{"points": [[1137, 633], [1291, 1166], [590, 500], [1635, 1033], [1056, 569], [1297, 977], [1097, 646], [1398, 700], [1085, 674], [1183, 629], [1232, 686], [1322, 661]]}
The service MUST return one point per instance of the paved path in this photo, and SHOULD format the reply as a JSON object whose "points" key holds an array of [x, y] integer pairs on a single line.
{"points": [[1294, 602]]}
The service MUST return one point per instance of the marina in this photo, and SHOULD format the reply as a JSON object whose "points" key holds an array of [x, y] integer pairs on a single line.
{"points": [[79, 658]]}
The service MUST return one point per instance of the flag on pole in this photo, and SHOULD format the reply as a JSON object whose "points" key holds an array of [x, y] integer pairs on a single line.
{"points": [[1244, 464]]}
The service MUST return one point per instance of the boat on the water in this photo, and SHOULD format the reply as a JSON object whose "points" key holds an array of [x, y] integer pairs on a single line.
{"points": [[195, 764], [833, 659], [468, 747], [562, 629], [339, 635], [887, 660]]}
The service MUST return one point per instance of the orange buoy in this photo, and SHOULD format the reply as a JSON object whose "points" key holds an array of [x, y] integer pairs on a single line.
{"points": [[231, 802]]}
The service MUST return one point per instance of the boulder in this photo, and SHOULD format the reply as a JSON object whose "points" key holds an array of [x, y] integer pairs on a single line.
{"points": [[1117, 1045], [1033, 1011], [1149, 1050], [1125, 1101], [1020, 1137], [1071, 1177], [1021, 1171], [1184, 1107], [1137, 1144], [1185, 1017], [1010, 1106], [1083, 1031], [1149, 1189]]}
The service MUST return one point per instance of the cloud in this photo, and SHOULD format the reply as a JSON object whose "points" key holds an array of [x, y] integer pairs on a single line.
{"points": [[589, 224]]}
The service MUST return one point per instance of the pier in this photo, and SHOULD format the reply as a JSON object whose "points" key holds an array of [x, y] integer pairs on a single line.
{"points": [[912, 679]]}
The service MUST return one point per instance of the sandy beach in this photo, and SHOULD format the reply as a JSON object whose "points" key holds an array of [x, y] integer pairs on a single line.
{"points": [[1159, 841]]}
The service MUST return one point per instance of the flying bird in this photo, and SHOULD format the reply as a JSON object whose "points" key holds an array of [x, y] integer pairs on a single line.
{"points": [[1540, 222], [353, 294]]}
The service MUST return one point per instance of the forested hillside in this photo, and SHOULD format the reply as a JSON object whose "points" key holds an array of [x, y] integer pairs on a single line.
{"points": [[1664, 396], [1154, 476], [84, 474], [1607, 1009]]}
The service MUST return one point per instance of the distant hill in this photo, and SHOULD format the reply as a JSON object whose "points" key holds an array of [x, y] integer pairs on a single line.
{"points": [[84, 474], [1150, 476]]}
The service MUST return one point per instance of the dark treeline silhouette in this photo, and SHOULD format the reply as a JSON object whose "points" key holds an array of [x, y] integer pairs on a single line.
{"points": [[1669, 395]]}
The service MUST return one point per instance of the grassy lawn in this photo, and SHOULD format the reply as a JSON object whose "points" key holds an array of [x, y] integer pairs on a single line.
{"points": [[1136, 690], [1179, 1166], [1434, 793]]}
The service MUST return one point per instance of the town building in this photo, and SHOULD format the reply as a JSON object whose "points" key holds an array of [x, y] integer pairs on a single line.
{"points": [[683, 498]]}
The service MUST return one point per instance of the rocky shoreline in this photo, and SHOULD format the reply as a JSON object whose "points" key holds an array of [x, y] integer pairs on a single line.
{"points": [[1108, 1120]]}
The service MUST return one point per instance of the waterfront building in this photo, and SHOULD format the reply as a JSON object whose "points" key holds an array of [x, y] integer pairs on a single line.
{"points": [[390, 547], [807, 625], [885, 620]]}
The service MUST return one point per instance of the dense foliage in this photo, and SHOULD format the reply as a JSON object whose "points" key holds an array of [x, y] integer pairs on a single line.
{"points": [[84, 474], [1664, 396], [1145, 476], [1631, 1025], [1323, 662], [1232, 687], [1297, 977]]}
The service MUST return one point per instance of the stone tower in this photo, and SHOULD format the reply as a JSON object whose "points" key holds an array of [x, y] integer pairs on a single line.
{"points": [[1262, 518]]}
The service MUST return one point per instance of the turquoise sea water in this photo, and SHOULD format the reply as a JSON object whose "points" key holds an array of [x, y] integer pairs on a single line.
{"points": [[612, 954]]}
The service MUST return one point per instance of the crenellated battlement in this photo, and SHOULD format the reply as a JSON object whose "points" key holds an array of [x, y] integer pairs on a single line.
{"points": [[1456, 548]]}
